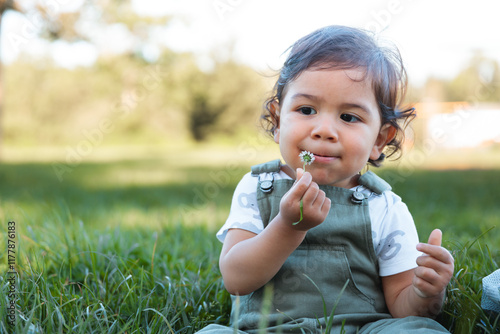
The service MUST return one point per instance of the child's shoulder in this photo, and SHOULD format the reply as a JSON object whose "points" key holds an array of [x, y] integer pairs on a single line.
{"points": [[274, 167], [374, 182], [390, 198], [251, 179], [386, 204]]}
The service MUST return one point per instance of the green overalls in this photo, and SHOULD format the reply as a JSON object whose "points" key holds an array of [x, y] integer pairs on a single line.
{"points": [[337, 253]]}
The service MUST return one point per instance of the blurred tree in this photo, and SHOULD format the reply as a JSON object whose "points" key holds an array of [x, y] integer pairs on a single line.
{"points": [[5, 5], [51, 21], [166, 94], [202, 115], [478, 82], [96, 17], [51, 24], [224, 100], [168, 100], [203, 111]]}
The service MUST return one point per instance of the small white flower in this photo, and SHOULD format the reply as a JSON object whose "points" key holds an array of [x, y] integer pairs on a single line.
{"points": [[306, 157]]}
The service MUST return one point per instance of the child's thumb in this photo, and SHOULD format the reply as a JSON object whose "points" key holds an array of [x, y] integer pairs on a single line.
{"points": [[300, 172], [435, 237]]}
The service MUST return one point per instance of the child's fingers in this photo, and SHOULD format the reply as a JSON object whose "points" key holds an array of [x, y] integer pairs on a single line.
{"points": [[300, 186], [432, 280], [442, 268], [435, 267], [311, 194], [323, 204], [427, 274], [299, 173], [434, 252], [433, 272], [435, 238], [325, 208], [424, 288], [433, 248], [316, 204]]}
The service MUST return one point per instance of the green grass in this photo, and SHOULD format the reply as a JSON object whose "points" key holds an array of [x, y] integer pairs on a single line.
{"points": [[128, 246]]}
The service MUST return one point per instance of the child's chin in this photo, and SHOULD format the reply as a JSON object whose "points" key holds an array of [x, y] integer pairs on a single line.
{"points": [[329, 180]]}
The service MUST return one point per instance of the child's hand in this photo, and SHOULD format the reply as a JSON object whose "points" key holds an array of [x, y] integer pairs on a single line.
{"points": [[315, 203], [435, 267]]}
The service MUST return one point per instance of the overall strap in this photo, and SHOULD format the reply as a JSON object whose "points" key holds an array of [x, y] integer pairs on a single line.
{"points": [[267, 167], [374, 182], [268, 188]]}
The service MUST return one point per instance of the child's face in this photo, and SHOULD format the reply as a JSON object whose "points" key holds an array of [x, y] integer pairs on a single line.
{"points": [[335, 117]]}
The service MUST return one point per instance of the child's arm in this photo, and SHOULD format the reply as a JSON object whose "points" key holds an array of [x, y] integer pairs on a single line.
{"points": [[248, 260], [421, 291]]}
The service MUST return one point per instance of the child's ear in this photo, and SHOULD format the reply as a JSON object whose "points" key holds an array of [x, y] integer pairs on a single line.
{"points": [[385, 136], [274, 109], [277, 135]]}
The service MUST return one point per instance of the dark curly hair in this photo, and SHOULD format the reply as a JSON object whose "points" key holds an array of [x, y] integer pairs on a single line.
{"points": [[339, 47]]}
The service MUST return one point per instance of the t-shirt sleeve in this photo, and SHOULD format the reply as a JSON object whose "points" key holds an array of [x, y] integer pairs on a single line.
{"points": [[244, 213], [396, 237]]}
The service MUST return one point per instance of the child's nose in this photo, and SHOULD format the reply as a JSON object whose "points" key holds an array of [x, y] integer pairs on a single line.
{"points": [[325, 129]]}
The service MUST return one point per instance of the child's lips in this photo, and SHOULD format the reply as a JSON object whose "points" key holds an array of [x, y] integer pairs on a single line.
{"points": [[324, 158]]}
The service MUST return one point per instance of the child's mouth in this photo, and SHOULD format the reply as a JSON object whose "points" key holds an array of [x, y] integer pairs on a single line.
{"points": [[324, 158]]}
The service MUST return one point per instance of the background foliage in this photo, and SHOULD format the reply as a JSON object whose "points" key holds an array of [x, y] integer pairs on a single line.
{"points": [[171, 99]]}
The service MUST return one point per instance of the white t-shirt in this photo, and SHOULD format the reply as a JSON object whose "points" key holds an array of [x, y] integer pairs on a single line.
{"points": [[393, 230]]}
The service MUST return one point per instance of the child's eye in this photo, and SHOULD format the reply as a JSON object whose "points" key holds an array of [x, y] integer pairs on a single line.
{"points": [[307, 111], [349, 118]]}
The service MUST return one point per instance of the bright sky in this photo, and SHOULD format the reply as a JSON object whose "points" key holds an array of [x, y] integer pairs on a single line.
{"points": [[435, 37]]}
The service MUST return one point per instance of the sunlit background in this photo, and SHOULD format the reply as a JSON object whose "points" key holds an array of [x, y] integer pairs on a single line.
{"points": [[85, 77]]}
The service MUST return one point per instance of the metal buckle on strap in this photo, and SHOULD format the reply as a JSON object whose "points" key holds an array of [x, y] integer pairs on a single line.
{"points": [[357, 196], [267, 185]]}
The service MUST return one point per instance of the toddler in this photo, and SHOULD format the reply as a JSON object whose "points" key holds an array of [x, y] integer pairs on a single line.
{"points": [[355, 250]]}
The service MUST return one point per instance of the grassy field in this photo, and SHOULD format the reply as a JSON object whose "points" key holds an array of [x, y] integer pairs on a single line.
{"points": [[124, 243]]}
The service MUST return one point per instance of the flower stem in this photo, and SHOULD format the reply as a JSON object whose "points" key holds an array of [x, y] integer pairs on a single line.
{"points": [[301, 210], [301, 201]]}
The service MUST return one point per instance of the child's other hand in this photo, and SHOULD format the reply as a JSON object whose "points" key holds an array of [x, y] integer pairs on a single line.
{"points": [[435, 267], [315, 203]]}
